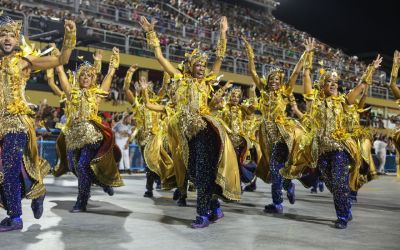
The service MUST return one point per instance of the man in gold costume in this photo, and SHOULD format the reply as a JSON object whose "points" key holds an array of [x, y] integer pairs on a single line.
{"points": [[22, 171], [200, 144], [85, 146]]}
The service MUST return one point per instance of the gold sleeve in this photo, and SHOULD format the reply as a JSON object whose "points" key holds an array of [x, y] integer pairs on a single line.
{"points": [[152, 39]]}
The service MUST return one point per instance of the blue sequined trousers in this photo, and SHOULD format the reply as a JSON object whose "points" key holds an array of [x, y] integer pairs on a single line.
{"points": [[79, 163], [277, 161], [203, 159], [12, 145], [334, 168]]}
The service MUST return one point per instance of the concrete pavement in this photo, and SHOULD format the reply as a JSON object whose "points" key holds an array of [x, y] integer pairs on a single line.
{"points": [[129, 221]]}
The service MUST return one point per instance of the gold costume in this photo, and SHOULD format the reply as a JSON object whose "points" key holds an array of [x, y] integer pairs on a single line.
{"points": [[277, 127], [191, 116], [15, 117], [153, 137], [84, 127], [366, 171]]}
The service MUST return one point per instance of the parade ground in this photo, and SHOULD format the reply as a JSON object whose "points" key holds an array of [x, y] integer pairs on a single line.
{"points": [[129, 221]]}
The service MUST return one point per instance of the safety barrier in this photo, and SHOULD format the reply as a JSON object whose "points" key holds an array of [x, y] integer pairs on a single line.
{"points": [[47, 150]]}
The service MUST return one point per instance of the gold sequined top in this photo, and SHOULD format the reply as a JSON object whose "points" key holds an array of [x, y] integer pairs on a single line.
{"points": [[12, 95], [353, 121], [329, 119], [82, 108], [147, 120], [273, 108], [192, 102], [235, 117]]}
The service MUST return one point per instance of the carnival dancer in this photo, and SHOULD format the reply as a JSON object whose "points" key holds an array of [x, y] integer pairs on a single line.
{"points": [[201, 145], [22, 171], [85, 146], [329, 142], [278, 135], [148, 125], [234, 113]]}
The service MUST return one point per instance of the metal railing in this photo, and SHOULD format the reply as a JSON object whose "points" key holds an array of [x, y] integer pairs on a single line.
{"points": [[137, 46]]}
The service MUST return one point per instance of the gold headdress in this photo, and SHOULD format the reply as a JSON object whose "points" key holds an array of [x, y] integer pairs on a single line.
{"points": [[272, 72], [87, 67], [9, 25], [192, 58], [325, 75]]}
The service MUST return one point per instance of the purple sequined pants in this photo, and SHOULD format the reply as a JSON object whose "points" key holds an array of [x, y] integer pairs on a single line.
{"points": [[12, 147], [334, 168], [79, 163]]}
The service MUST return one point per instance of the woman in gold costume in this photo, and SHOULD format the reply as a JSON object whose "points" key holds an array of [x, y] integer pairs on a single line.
{"points": [[149, 134], [22, 171], [329, 141], [85, 146], [200, 144], [234, 114], [279, 136]]}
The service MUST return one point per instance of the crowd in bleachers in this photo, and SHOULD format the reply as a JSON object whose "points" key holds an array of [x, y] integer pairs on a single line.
{"points": [[257, 24]]}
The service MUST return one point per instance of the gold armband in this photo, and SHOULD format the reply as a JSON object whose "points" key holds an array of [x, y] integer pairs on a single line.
{"points": [[97, 66], [69, 40], [367, 76], [249, 50], [221, 48], [308, 60], [128, 79], [114, 61], [152, 39]]}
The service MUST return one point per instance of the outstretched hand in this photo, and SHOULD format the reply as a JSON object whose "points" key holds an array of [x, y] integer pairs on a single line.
{"points": [[396, 57], [377, 62], [146, 25], [98, 55], [69, 26], [223, 24], [309, 44]]}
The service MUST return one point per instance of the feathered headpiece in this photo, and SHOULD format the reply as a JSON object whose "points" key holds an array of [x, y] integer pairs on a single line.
{"points": [[9, 25], [191, 59], [273, 72]]}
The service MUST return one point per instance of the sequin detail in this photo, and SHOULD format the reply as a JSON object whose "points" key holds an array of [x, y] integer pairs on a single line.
{"points": [[12, 146], [334, 168], [81, 134]]}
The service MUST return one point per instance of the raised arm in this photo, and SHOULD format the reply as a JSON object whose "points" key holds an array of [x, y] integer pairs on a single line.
{"points": [[309, 44], [130, 96], [299, 65], [154, 43], [363, 99], [218, 96], [221, 46], [152, 106], [52, 83], [52, 61], [365, 80], [64, 82], [251, 64], [113, 66], [394, 74]]}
